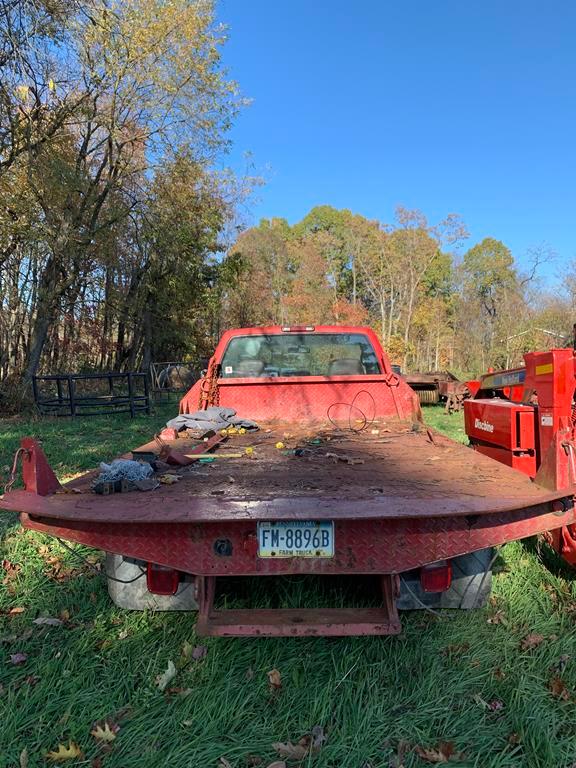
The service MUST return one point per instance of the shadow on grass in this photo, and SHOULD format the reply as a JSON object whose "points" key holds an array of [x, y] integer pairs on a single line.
{"points": [[549, 558]]}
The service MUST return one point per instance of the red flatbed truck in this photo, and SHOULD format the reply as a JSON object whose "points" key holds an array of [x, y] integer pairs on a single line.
{"points": [[342, 478]]}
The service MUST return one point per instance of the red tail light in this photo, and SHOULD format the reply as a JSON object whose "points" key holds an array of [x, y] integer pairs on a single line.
{"points": [[436, 577], [161, 580]]}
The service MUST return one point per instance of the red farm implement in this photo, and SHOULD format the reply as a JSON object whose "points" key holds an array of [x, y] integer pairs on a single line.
{"points": [[526, 418]]}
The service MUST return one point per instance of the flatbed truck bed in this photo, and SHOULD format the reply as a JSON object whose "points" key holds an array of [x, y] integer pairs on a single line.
{"points": [[395, 495]]}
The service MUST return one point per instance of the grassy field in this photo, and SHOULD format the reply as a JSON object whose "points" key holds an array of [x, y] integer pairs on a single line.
{"points": [[494, 688]]}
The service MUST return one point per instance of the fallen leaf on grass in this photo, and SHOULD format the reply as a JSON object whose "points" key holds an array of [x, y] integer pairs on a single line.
{"points": [[558, 688], [105, 733], [16, 611], [277, 764], [311, 743], [24, 758], [499, 674], [290, 751], [274, 680], [18, 658], [186, 652], [493, 705], [165, 678], [443, 753], [58, 572], [402, 749], [71, 752], [47, 621], [498, 618], [223, 763], [254, 760], [12, 571], [531, 641], [178, 691], [191, 653]]}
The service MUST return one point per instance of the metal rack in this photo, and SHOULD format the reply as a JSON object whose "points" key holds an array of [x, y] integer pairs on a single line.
{"points": [[123, 393]]}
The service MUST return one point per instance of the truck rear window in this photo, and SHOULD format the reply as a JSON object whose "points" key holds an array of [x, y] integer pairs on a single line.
{"points": [[294, 354]]}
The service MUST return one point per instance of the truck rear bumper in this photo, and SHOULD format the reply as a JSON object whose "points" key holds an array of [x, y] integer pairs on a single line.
{"points": [[371, 546]]}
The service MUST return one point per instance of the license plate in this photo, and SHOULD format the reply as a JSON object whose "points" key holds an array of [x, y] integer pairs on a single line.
{"points": [[296, 539]]}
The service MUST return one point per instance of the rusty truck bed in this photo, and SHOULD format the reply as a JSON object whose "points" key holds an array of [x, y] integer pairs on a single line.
{"points": [[388, 471]]}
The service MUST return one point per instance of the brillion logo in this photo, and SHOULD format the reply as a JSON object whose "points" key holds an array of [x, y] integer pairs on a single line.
{"points": [[485, 426]]}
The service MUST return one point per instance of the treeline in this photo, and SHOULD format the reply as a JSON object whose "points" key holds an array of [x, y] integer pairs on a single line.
{"points": [[435, 302], [113, 115], [119, 240]]}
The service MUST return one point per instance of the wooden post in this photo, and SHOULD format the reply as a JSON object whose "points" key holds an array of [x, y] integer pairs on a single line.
{"points": [[131, 393], [71, 395], [146, 395], [35, 392]]}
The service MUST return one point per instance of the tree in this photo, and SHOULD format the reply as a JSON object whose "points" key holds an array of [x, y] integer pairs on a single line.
{"points": [[152, 81], [403, 266], [264, 270], [177, 272], [492, 305], [489, 274], [41, 87]]}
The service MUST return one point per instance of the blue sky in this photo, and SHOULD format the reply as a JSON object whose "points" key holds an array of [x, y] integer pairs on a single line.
{"points": [[450, 107]]}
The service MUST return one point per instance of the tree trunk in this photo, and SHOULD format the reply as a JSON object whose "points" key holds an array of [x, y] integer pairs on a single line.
{"points": [[147, 336], [46, 312]]}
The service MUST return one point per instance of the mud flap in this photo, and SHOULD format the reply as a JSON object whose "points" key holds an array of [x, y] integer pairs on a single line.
{"points": [[134, 595], [470, 588]]}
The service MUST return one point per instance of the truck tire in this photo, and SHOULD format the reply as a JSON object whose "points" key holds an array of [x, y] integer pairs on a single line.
{"points": [[470, 588], [134, 595]]}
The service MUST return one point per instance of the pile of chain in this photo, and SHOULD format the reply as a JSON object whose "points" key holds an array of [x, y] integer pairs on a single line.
{"points": [[209, 392]]}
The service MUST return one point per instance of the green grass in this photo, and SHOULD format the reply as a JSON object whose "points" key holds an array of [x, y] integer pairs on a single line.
{"points": [[450, 425], [439, 681]]}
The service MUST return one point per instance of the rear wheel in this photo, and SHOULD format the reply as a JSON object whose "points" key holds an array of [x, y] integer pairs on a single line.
{"points": [[470, 588], [127, 587]]}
